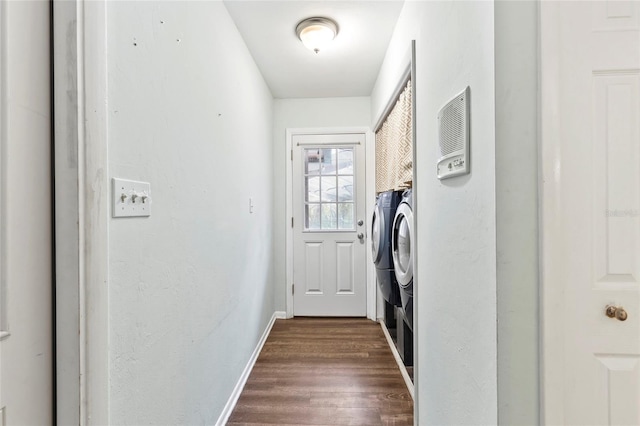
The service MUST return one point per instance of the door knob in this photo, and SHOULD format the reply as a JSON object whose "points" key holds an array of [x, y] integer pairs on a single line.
{"points": [[361, 236], [616, 312]]}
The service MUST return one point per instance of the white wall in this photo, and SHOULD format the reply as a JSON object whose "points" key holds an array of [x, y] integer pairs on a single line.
{"points": [[25, 214], [190, 288], [303, 113], [457, 353], [456, 239], [517, 211]]}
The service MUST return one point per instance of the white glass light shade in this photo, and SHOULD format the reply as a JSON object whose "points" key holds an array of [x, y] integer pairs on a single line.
{"points": [[316, 33]]}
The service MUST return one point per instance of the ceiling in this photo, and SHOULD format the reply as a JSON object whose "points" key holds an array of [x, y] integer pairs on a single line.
{"points": [[348, 67]]}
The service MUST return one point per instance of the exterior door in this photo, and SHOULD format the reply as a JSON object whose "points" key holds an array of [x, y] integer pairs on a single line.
{"points": [[329, 225], [26, 377], [591, 215]]}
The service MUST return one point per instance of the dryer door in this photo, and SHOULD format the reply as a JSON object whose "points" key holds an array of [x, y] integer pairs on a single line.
{"points": [[377, 234], [401, 244]]}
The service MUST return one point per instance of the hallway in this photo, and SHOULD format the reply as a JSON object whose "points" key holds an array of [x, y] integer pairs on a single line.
{"points": [[158, 319], [325, 371]]}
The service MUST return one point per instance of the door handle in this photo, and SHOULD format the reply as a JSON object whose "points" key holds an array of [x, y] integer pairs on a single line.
{"points": [[616, 312], [361, 236]]}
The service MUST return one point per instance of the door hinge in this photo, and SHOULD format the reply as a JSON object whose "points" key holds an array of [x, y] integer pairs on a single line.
{"points": [[291, 155], [293, 289], [292, 221]]}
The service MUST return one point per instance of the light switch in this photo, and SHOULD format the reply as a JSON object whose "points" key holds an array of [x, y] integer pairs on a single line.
{"points": [[131, 198]]}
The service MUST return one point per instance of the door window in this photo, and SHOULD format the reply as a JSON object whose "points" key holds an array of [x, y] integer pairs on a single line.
{"points": [[329, 192]]}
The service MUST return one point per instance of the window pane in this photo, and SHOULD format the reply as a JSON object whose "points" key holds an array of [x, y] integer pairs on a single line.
{"points": [[329, 161], [312, 161], [312, 213], [345, 188], [329, 216], [345, 161], [312, 190], [345, 216], [328, 190], [329, 198]]}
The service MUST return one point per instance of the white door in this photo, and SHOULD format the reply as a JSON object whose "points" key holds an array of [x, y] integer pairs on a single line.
{"points": [[329, 225], [26, 383], [591, 218]]}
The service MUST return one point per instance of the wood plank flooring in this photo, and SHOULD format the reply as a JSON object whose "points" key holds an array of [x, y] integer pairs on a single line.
{"points": [[325, 371]]}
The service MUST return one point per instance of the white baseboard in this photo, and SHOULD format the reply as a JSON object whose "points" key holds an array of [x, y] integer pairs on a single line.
{"points": [[233, 399], [396, 355]]}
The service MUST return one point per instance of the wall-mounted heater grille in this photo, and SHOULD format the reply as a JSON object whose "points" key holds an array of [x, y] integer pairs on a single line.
{"points": [[453, 133]]}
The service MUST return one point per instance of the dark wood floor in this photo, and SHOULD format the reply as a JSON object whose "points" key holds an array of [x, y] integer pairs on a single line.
{"points": [[325, 371]]}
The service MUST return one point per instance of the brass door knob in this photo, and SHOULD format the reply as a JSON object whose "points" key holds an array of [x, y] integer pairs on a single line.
{"points": [[616, 312]]}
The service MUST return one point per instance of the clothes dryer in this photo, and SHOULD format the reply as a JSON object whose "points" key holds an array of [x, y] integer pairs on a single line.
{"points": [[381, 224], [402, 243]]}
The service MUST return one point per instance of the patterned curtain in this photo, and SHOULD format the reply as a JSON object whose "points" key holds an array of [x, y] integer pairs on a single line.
{"points": [[394, 147]]}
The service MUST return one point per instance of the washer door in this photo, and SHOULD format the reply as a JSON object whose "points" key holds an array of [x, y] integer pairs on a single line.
{"points": [[401, 243], [377, 234]]}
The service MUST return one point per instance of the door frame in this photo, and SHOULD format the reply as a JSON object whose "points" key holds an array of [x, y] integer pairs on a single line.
{"points": [[82, 211], [370, 284], [550, 189]]}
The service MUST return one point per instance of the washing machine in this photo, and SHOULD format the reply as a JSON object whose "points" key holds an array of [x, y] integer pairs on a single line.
{"points": [[402, 240], [383, 214]]}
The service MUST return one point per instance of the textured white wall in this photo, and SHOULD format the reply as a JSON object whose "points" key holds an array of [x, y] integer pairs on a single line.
{"points": [[301, 113], [456, 241], [517, 211], [191, 287]]}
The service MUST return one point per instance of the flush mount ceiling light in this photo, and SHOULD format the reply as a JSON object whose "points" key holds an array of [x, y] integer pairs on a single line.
{"points": [[316, 33]]}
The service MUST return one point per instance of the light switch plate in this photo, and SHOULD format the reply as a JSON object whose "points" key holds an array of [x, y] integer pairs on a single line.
{"points": [[131, 198]]}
